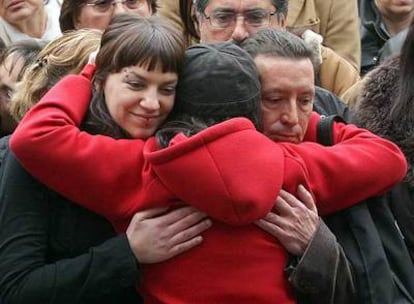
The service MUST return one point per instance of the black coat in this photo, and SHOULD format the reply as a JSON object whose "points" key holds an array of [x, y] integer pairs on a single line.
{"points": [[53, 251], [372, 112], [373, 35]]}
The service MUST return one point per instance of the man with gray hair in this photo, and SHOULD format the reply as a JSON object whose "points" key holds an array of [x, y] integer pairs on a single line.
{"points": [[286, 69], [323, 271]]}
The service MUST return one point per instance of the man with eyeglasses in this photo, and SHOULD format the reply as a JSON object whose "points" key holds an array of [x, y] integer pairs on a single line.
{"points": [[223, 20]]}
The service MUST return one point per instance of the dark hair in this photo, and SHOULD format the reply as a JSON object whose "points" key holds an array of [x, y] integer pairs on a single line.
{"points": [[404, 103], [278, 43], [70, 10], [217, 82], [131, 40], [26, 50], [189, 20]]}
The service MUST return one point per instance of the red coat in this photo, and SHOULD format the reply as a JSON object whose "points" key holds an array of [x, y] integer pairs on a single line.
{"points": [[230, 171]]}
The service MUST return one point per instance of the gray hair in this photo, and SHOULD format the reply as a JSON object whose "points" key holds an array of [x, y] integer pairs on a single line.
{"points": [[279, 43]]}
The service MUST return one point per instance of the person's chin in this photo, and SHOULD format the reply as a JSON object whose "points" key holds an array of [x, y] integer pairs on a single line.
{"points": [[284, 138]]}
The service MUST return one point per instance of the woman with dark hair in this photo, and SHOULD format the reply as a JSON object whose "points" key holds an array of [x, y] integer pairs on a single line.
{"points": [[77, 14], [385, 107], [53, 251]]}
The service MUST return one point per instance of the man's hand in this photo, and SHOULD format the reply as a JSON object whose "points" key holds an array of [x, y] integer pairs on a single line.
{"points": [[155, 236], [292, 222]]}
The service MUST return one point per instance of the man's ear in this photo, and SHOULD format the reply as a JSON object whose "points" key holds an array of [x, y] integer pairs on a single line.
{"points": [[197, 18], [281, 18]]}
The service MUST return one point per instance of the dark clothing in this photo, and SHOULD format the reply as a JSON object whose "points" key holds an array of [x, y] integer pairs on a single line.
{"points": [[373, 35], [323, 274], [372, 112], [327, 103], [393, 45], [53, 251], [402, 205]]}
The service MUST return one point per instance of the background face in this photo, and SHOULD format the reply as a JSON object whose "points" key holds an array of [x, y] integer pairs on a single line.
{"points": [[89, 17], [209, 34], [15, 11], [9, 72]]}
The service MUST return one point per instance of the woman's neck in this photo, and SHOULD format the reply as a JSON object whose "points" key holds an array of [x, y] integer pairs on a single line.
{"points": [[35, 26]]}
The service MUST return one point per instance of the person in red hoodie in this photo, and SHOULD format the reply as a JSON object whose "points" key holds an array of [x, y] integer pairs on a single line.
{"points": [[211, 170], [55, 251]]}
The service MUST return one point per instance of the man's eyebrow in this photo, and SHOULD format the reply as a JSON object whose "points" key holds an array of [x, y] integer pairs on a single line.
{"points": [[256, 10], [231, 10], [223, 10]]}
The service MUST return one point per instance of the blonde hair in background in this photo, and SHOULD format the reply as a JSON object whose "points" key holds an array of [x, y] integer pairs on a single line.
{"points": [[65, 55]]}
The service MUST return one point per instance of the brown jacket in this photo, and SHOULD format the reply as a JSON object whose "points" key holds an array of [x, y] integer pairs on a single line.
{"points": [[171, 10], [336, 20], [324, 273], [335, 73]]}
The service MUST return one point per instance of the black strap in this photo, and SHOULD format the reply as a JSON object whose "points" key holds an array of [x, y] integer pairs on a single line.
{"points": [[325, 135]]}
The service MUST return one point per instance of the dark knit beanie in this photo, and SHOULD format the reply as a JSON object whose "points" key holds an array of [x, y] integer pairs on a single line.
{"points": [[219, 81]]}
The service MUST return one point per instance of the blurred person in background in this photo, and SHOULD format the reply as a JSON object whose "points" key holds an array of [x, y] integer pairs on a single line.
{"points": [[29, 19], [381, 20], [77, 14], [14, 60]]}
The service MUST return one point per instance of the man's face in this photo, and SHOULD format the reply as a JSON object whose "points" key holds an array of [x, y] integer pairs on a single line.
{"points": [[239, 30], [287, 96]]}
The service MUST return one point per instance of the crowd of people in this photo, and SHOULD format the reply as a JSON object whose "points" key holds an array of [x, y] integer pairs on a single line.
{"points": [[206, 151]]}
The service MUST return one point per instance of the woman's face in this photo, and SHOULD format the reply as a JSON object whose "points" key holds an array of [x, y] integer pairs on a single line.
{"points": [[139, 100], [16, 11], [99, 15]]}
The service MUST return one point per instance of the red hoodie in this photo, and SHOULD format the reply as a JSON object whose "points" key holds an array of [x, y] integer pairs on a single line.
{"points": [[230, 171]]}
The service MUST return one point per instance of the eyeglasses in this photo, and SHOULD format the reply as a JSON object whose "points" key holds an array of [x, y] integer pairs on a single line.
{"points": [[254, 18], [104, 5]]}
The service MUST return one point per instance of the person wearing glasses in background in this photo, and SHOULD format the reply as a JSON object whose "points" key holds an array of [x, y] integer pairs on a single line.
{"points": [[77, 14], [220, 20], [29, 20]]}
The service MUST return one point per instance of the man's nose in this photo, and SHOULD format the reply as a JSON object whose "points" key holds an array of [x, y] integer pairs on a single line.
{"points": [[119, 8], [290, 114], [240, 32]]}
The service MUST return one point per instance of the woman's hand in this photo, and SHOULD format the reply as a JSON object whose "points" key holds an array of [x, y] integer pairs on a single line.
{"points": [[155, 236], [293, 221]]}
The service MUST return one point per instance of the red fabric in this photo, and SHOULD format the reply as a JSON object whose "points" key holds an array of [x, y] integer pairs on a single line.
{"points": [[230, 171]]}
